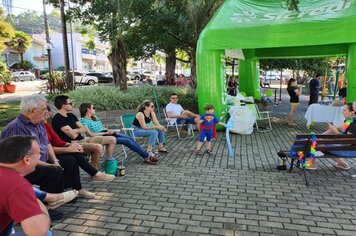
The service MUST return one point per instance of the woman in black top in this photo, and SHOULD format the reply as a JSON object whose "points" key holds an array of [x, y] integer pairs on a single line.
{"points": [[232, 86], [294, 94], [146, 124]]}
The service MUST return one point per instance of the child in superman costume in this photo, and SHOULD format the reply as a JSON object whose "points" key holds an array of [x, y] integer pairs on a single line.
{"points": [[207, 127]]}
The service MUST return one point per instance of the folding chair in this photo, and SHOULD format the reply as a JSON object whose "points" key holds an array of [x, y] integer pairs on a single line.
{"points": [[172, 122], [260, 116], [126, 122]]}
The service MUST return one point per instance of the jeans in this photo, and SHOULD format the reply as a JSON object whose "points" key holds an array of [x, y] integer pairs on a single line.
{"points": [[132, 144], [41, 195], [151, 133]]}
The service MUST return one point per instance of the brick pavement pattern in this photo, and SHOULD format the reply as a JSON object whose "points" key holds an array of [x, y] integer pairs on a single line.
{"points": [[186, 194]]}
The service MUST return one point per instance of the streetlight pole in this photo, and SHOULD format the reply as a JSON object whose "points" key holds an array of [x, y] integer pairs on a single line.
{"points": [[48, 46]]}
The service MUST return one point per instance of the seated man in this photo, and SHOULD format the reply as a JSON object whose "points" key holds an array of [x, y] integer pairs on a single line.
{"points": [[48, 173], [179, 115], [69, 129], [17, 199]]}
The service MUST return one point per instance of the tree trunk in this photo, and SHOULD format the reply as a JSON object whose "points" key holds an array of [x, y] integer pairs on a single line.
{"points": [[170, 67], [193, 66], [21, 57], [118, 62], [69, 78]]}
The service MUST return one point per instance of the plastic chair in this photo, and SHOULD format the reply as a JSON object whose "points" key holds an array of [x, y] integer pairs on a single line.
{"points": [[126, 122], [260, 116], [171, 122], [269, 93]]}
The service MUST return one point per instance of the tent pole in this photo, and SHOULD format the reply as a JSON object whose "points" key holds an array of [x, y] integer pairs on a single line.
{"points": [[280, 86], [351, 73]]}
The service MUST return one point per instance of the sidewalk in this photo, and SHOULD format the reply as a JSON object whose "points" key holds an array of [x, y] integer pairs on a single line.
{"points": [[186, 194], [23, 89]]}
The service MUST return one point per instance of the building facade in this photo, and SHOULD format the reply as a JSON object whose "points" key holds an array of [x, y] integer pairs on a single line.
{"points": [[80, 57]]}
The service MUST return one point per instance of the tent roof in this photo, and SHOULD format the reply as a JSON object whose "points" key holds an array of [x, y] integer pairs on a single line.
{"points": [[262, 28]]}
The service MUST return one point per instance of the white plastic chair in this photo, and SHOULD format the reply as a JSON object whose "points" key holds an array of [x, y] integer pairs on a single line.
{"points": [[260, 116], [172, 122]]}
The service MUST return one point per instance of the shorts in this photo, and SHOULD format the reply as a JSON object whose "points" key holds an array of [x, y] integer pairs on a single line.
{"points": [[294, 103], [96, 139], [208, 134], [181, 121]]}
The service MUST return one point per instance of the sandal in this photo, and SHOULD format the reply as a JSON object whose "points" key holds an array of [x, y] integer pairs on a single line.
{"points": [[163, 150], [338, 165], [209, 151], [149, 161], [199, 152], [67, 197]]}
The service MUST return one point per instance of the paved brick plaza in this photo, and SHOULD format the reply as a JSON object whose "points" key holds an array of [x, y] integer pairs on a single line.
{"points": [[188, 194]]}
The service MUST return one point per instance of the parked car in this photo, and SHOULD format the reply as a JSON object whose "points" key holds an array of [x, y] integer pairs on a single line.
{"points": [[23, 75], [81, 78], [272, 75], [134, 75], [149, 74], [102, 77]]}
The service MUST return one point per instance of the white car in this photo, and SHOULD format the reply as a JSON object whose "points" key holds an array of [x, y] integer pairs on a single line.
{"points": [[81, 78], [23, 75]]}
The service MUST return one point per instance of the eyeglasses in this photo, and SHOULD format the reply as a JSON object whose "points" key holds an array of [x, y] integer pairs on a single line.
{"points": [[69, 103], [42, 109]]}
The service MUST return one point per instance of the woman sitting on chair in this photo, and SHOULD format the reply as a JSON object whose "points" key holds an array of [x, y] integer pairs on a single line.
{"points": [[87, 112], [146, 124]]}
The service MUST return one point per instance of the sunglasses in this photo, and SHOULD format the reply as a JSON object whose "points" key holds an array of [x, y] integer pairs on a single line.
{"points": [[69, 103], [93, 108], [152, 106], [174, 97]]}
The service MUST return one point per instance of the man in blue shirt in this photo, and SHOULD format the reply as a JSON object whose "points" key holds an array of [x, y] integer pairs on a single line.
{"points": [[314, 86]]}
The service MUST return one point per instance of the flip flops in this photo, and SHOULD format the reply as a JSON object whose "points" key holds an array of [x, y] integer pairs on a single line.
{"points": [[67, 197], [338, 165], [163, 150]]}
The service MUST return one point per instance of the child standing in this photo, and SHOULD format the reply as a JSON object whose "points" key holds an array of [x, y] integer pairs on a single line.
{"points": [[207, 121]]}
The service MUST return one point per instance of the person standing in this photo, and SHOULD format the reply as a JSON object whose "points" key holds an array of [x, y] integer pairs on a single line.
{"points": [[232, 86], [294, 93], [208, 122], [160, 79], [314, 86], [18, 203]]}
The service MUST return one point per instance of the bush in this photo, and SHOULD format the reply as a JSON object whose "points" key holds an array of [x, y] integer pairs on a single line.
{"points": [[111, 98]]}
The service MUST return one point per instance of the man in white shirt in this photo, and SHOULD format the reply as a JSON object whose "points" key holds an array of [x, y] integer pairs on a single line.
{"points": [[178, 114], [160, 79]]}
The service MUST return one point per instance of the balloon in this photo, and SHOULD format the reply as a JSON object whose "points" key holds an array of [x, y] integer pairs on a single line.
{"points": [[229, 125]]}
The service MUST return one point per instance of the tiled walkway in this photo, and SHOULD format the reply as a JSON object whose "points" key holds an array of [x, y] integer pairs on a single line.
{"points": [[186, 194]]}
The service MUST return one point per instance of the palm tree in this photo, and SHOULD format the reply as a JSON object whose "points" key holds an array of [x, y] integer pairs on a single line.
{"points": [[193, 20], [69, 78], [20, 42]]}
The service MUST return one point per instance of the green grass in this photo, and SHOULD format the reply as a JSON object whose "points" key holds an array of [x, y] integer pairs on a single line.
{"points": [[8, 112]]}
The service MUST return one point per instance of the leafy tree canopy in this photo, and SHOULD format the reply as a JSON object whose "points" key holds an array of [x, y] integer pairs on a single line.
{"points": [[6, 31]]}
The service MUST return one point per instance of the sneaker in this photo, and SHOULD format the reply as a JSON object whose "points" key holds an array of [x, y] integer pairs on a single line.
{"points": [[101, 177], [55, 215], [86, 194]]}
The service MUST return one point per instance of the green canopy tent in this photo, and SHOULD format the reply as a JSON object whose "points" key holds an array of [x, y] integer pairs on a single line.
{"points": [[255, 29]]}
